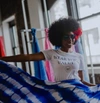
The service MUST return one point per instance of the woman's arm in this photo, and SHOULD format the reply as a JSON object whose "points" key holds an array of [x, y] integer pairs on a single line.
{"points": [[81, 76], [24, 57]]}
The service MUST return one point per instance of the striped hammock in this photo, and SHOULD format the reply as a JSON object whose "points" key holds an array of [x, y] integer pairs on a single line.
{"points": [[17, 86]]}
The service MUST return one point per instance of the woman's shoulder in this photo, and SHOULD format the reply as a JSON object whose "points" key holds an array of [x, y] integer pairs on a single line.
{"points": [[78, 54], [49, 51]]}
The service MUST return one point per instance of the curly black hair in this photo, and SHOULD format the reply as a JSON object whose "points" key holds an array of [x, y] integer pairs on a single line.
{"points": [[59, 28]]}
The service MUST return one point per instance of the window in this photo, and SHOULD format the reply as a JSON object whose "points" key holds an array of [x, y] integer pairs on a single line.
{"points": [[89, 17], [58, 10], [88, 7], [91, 32]]}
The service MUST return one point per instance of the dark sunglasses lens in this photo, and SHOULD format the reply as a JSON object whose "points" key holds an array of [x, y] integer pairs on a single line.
{"points": [[66, 37], [69, 36]]}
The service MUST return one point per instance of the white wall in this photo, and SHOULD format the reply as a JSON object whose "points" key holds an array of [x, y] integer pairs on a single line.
{"points": [[36, 18]]}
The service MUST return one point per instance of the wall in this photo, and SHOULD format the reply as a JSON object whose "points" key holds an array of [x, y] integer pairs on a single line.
{"points": [[14, 7], [36, 18], [11, 8]]}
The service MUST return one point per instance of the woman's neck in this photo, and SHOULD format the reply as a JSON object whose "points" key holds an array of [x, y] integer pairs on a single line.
{"points": [[66, 49]]}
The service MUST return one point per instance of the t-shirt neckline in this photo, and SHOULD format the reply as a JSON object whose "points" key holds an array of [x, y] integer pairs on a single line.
{"points": [[64, 53]]}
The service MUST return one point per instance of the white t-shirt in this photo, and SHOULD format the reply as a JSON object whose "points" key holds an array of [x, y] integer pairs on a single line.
{"points": [[65, 65]]}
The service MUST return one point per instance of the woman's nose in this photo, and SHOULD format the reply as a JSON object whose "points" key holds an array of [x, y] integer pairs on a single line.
{"points": [[70, 39]]}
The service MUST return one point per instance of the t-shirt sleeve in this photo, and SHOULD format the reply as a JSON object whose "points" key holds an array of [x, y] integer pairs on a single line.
{"points": [[47, 54], [82, 63]]}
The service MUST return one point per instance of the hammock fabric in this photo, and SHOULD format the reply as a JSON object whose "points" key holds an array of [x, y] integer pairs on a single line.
{"points": [[38, 65], [17, 86], [49, 69]]}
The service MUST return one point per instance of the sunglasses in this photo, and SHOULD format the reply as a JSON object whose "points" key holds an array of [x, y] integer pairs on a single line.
{"points": [[72, 36]]}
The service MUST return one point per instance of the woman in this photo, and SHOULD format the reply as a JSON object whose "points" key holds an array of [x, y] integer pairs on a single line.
{"points": [[66, 63]]}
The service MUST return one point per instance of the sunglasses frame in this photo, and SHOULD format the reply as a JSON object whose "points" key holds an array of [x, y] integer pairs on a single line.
{"points": [[72, 36]]}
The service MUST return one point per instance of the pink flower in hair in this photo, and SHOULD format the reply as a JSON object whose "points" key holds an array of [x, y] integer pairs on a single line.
{"points": [[78, 33]]}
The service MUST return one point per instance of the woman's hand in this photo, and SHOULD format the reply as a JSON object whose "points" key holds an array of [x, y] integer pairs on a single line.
{"points": [[88, 84], [84, 82]]}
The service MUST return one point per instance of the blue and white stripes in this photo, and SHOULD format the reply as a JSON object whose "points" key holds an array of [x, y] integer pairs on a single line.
{"points": [[16, 86]]}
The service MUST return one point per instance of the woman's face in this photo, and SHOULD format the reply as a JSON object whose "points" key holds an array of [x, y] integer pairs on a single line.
{"points": [[68, 40]]}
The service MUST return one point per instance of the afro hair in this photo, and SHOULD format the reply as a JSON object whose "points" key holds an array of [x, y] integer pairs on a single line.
{"points": [[60, 27]]}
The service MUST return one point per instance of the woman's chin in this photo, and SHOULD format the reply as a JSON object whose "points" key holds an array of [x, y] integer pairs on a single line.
{"points": [[69, 45]]}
